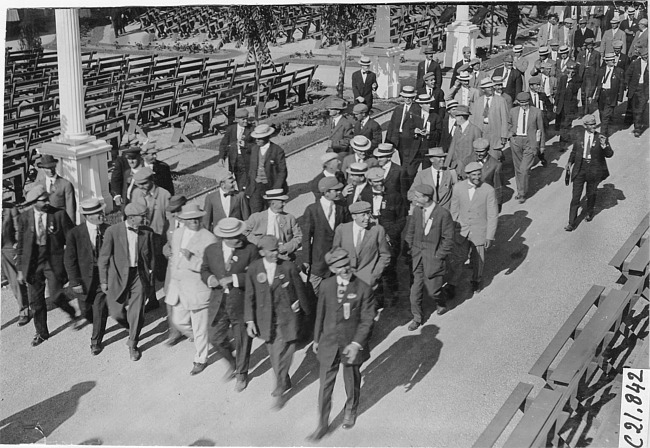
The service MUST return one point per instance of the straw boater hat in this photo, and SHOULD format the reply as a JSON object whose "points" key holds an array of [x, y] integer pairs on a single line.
{"points": [[543, 51], [609, 57], [91, 206], [424, 98], [451, 104], [135, 209], [262, 131], [384, 150], [365, 60], [360, 143], [615, 20], [191, 211], [229, 228], [464, 76], [518, 48], [563, 50], [407, 92], [47, 161], [358, 169], [486, 82], [276, 194]]}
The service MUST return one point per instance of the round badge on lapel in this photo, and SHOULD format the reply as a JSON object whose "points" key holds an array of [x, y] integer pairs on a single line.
{"points": [[235, 258], [261, 277]]}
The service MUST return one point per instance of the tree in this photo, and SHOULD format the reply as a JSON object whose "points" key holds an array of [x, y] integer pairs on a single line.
{"points": [[338, 21]]}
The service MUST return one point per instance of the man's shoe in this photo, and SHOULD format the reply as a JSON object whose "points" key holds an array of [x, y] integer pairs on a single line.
{"points": [[589, 217], [318, 434], [152, 304], [96, 349], [173, 340], [78, 323], [278, 391], [38, 340], [569, 228], [348, 421], [637, 134], [23, 320], [198, 368], [476, 286], [521, 199], [135, 354], [414, 326], [450, 290], [230, 372], [441, 310], [242, 382]]}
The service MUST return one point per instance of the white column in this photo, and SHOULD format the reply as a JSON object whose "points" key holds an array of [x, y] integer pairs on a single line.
{"points": [[461, 33]]}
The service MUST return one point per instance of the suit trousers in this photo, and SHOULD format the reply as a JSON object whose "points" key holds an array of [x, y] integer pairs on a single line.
{"points": [[256, 200], [36, 293], [523, 157], [243, 342], [195, 323], [606, 111], [591, 177], [352, 381], [11, 273], [421, 284], [476, 258], [639, 112], [281, 354], [128, 310], [240, 170], [92, 306]]}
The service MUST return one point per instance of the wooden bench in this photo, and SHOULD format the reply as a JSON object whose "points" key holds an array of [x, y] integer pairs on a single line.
{"points": [[638, 238], [301, 81], [538, 420]]}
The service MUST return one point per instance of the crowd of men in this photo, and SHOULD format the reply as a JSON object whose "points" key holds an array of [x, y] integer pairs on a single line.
{"points": [[429, 193]]}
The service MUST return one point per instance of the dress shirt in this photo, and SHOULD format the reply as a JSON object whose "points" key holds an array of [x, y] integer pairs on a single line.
{"points": [[364, 121], [546, 85], [471, 189], [426, 212], [364, 75], [328, 174], [404, 112], [49, 183], [358, 233], [357, 191], [225, 202], [132, 240], [92, 233], [227, 254], [270, 270], [187, 236], [452, 125], [264, 149], [644, 67], [521, 125], [434, 174], [607, 80], [386, 168], [329, 208], [240, 132], [589, 140], [41, 232], [272, 224], [335, 121], [506, 74], [463, 127], [377, 199]]}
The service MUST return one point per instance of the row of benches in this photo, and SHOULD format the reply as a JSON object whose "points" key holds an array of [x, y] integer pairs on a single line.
{"points": [[617, 320]]}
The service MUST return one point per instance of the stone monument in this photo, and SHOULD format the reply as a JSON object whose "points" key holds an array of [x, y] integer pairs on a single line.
{"points": [[461, 33]]}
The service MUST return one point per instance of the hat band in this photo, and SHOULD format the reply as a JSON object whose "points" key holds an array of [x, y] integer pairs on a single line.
{"points": [[89, 211]]}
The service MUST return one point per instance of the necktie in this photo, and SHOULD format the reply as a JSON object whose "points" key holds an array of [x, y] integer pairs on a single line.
{"points": [[359, 240], [486, 109], [330, 213], [51, 186], [424, 219], [587, 154], [437, 185], [98, 241], [587, 57], [609, 72], [429, 91], [41, 230], [404, 111], [523, 124]]}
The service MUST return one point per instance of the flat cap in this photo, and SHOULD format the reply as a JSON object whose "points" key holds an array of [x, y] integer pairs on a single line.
{"points": [[589, 119], [430, 76], [375, 173], [132, 153], [143, 174], [329, 183], [359, 207], [337, 257], [337, 103], [463, 111], [267, 242], [475, 61], [590, 40], [535, 80], [135, 209], [547, 64], [425, 189], [481, 143], [473, 166], [324, 158], [617, 44], [359, 108], [242, 113], [523, 97]]}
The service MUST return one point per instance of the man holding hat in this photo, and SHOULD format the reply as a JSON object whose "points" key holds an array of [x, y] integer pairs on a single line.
{"points": [[394, 177], [467, 56], [448, 125], [528, 137], [405, 119], [364, 83], [226, 201], [331, 168], [126, 263], [620, 59], [319, 221], [581, 34], [548, 31], [490, 114], [162, 174], [274, 297], [461, 91], [342, 126], [344, 320], [590, 149], [519, 61], [366, 126], [610, 85], [512, 79], [224, 270], [357, 189], [268, 168], [60, 190], [125, 167], [636, 79], [442, 180], [275, 221], [429, 239], [612, 34], [80, 259], [461, 142], [429, 65], [491, 173], [566, 102], [41, 236], [362, 148], [589, 60], [432, 89], [236, 146], [365, 242], [474, 209]]}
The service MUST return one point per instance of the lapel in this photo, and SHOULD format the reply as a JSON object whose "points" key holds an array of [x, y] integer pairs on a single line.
{"points": [[122, 241], [85, 239], [322, 217], [269, 156], [218, 203], [279, 272]]}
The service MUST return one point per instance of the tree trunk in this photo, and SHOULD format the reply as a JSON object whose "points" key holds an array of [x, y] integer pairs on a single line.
{"points": [[257, 80], [344, 61]]}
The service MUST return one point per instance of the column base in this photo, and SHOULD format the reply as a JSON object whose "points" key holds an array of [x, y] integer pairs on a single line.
{"points": [[385, 63], [85, 166], [459, 35]]}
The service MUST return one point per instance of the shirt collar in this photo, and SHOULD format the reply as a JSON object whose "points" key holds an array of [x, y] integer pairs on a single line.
{"points": [[91, 226], [342, 282], [265, 147]]}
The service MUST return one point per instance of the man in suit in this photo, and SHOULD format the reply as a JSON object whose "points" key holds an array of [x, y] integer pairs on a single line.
{"points": [[125, 167], [609, 36], [226, 201], [432, 89], [620, 59], [274, 296], [640, 39], [403, 123], [364, 83], [429, 239], [555, 48], [636, 79], [589, 60], [429, 134], [174, 208], [549, 31], [428, 66], [512, 79], [476, 74], [224, 270], [394, 178], [610, 85], [162, 175], [60, 190], [539, 99], [10, 237], [581, 34], [590, 149], [275, 221], [467, 56], [80, 258], [154, 198], [474, 210], [549, 82], [342, 127], [126, 262], [527, 135], [320, 220], [566, 34], [498, 91], [491, 173], [448, 126], [566, 102], [513, 23], [365, 242], [519, 60], [331, 168], [544, 57], [190, 298], [344, 320], [561, 65], [461, 142], [357, 189], [362, 153], [629, 25], [461, 91], [42, 232], [366, 126], [235, 146], [441, 179], [490, 114], [268, 168]]}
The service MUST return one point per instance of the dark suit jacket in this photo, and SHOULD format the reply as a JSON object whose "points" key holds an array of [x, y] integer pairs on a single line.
{"points": [[10, 225], [332, 331], [632, 78], [62, 196], [371, 130], [461, 144], [404, 142], [113, 260], [566, 97], [213, 264], [342, 133], [162, 176], [435, 130], [589, 70], [617, 83], [438, 96], [395, 180], [515, 83], [365, 195], [263, 301], [433, 249], [313, 185], [454, 73], [598, 155], [214, 210], [317, 236], [392, 215], [57, 228], [275, 166], [579, 37], [359, 88], [445, 136], [80, 256], [120, 177], [434, 67], [229, 145]]}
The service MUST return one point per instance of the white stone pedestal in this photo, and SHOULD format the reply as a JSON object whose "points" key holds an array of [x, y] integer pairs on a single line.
{"points": [[385, 63], [460, 34], [86, 166]]}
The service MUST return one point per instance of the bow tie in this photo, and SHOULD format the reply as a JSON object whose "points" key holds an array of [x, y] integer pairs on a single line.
{"points": [[231, 193], [471, 185], [377, 194], [342, 282], [136, 231]]}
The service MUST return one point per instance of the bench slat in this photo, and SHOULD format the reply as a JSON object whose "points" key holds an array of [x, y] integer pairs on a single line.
{"points": [[535, 420], [639, 263], [629, 244]]}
